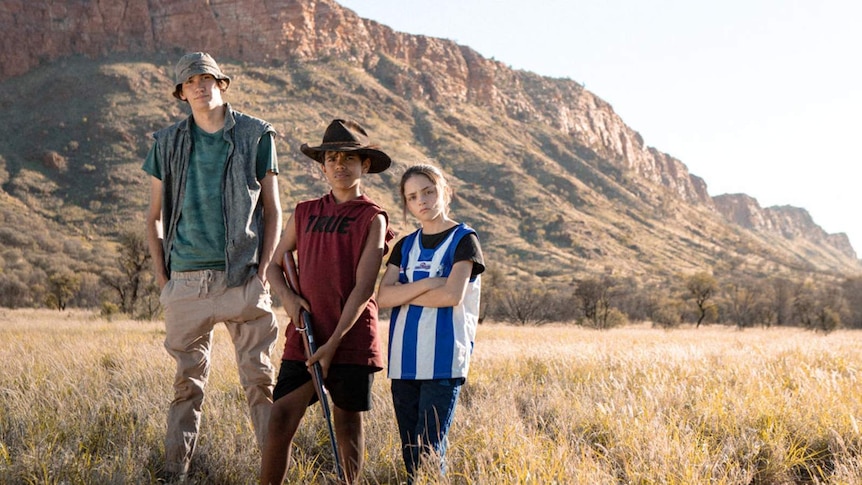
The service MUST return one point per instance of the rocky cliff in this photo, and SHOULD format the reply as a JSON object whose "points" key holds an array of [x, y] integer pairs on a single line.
{"points": [[299, 30], [573, 179], [785, 221]]}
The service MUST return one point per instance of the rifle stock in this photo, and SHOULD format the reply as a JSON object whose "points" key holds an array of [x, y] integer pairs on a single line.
{"points": [[307, 331]]}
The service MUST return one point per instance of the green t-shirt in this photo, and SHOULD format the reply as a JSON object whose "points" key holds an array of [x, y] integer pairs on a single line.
{"points": [[200, 240]]}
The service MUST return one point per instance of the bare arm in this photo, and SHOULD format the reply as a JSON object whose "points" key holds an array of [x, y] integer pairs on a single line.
{"points": [[155, 234], [366, 278], [391, 293], [271, 222], [450, 294], [275, 273]]}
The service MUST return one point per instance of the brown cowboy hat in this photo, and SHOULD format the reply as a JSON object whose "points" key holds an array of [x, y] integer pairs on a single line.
{"points": [[348, 136]]}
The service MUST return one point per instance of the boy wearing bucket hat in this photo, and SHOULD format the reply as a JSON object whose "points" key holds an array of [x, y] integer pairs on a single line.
{"points": [[212, 226], [340, 240]]}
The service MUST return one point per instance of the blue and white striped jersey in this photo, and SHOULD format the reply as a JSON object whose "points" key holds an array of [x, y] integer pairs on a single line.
{"points": [[432, 343]]}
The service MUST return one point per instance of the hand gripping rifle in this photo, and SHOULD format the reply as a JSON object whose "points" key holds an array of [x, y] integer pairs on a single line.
{"points": [[310, 348]]}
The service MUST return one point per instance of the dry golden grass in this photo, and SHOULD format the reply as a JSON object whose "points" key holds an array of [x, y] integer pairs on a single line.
{"points": [[83, 401]]}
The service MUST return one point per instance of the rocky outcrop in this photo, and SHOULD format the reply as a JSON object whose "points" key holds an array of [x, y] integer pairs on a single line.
{"points": [[786, 221], [743, 210]]}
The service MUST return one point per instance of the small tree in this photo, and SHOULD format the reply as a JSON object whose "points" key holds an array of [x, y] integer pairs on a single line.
{"points": [[748, 302], [828, 319], [819, 307], [702, 287], [661, 308], [805, 304], [525, 307], [132, 280], [831, 309], [62, 287], [594, 296], [852, 289], [493, 285], [782, 289]]}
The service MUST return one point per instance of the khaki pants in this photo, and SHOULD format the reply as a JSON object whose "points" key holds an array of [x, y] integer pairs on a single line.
{"points": [[194, 302]]}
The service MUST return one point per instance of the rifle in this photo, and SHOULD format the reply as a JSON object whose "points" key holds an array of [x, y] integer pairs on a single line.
{"points": [[310, 348]]}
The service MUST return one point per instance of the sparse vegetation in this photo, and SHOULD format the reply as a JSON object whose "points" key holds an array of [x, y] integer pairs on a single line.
{"points": [[698, 298], [84, 401]]}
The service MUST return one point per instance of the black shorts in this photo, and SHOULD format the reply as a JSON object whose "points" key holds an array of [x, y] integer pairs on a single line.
{"points": [[349, 385]]}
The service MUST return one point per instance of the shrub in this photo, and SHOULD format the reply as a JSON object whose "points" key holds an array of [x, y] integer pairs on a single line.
{"points": [[109, 309]]}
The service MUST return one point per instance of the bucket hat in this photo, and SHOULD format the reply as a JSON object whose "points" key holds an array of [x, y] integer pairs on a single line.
{"points": [[195, 63], [348, 136]]}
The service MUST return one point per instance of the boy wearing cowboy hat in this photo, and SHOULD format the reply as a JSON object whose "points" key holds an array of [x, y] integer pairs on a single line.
{"points": [[340, 240], [212, 226]]}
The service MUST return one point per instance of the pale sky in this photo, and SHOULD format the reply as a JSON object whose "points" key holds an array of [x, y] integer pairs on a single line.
{"points": [[760, 97]]}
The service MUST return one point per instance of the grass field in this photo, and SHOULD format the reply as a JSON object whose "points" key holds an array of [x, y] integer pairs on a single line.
{"points": [[83, 401]]}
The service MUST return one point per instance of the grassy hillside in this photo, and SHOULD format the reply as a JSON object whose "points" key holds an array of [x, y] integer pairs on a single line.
{"points": [[548, 210]]}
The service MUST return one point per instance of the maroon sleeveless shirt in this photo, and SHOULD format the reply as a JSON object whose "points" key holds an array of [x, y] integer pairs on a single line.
{"points": [[330, 238]]}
